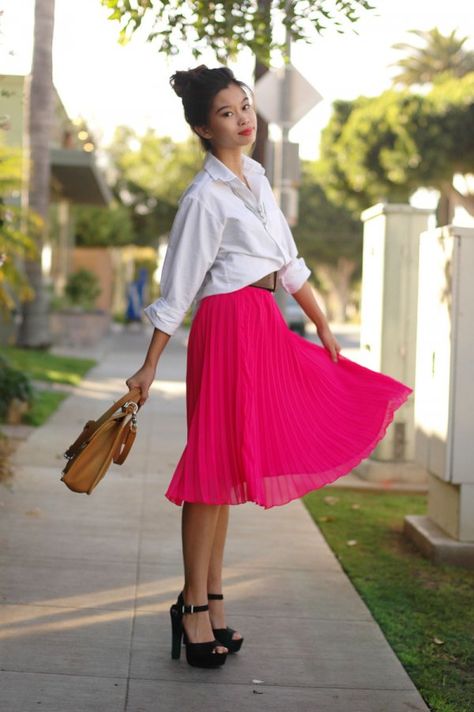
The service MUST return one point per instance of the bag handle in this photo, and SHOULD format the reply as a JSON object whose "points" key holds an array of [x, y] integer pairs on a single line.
{"points": [[132, 395], [91, 426]]}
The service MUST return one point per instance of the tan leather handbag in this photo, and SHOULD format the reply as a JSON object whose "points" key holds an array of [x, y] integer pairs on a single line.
{"points": [[102, 442]]}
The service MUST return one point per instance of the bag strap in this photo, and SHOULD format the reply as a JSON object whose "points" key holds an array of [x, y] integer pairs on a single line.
{"points": [[124, 445], [91, 426]]}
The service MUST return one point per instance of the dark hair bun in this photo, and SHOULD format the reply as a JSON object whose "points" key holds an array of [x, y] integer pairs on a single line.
{"points": [[182, 81]]}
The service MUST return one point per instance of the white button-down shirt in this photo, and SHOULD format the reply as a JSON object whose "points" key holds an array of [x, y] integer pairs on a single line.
{"points": [[224, 237]]}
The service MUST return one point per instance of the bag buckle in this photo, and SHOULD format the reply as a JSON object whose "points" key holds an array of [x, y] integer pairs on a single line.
{"points": [[134, 407]]}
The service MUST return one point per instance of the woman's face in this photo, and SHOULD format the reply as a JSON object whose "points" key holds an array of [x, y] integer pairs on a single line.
{"points": [[232, 119]]}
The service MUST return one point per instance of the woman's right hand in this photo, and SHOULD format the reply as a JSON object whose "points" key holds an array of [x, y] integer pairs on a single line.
{"points": [[142, 379]]}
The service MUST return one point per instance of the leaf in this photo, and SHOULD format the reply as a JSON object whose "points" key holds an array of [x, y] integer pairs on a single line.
{"points": [[351, 542], [35, 512], [329, 499]]}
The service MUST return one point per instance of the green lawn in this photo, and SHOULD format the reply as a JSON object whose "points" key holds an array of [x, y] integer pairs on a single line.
{"points": [[40, 365], [43, 366], [425, 611]]}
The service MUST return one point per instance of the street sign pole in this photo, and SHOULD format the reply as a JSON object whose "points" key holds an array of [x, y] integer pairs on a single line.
{"points": [[288, 195], [283, 98]]}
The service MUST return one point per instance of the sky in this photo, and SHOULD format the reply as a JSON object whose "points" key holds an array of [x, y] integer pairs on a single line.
{"points": [[110, 85]]}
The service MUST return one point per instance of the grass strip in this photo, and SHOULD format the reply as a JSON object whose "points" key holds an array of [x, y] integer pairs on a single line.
{"points": [[43, 366], [44, 404]]}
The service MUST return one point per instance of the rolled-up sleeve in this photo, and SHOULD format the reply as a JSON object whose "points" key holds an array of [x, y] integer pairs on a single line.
{"points": [[193, 244], [294, 274]]}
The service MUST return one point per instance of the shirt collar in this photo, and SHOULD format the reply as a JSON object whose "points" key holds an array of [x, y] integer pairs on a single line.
{"points": [[219, 171]]}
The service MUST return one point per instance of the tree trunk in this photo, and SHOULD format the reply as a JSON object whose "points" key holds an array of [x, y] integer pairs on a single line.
{"points": [[258, 153], [262, 127], [338, 279], [34, 329], [445, 209], [450, 197]]}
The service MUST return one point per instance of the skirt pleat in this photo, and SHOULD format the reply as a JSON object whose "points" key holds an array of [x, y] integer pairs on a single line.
{"points": [[269, 415]]}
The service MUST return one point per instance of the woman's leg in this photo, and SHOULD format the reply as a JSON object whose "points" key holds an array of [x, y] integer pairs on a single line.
{"points": [[198, 527], [214, 578]]}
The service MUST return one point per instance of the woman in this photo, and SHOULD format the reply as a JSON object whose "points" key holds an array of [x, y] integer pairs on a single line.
{"points": [[270, 415]]}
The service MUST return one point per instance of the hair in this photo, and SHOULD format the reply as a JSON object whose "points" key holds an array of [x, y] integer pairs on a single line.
{"points": [[197, 88]]}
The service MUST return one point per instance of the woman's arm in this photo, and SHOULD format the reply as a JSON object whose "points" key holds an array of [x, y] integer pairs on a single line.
{"points": [[193, 244], [305, 298], [145, 375]]}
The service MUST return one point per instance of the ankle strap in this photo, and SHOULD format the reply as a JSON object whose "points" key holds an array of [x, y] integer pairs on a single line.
{"points": [[194, 609], [215, 596]]}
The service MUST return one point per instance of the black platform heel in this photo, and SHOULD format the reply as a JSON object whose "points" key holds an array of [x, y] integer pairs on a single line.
{"points": [[224, 635], [197, 654]]}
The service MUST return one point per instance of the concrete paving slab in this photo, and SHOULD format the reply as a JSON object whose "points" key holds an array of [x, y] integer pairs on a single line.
{"points": [[59, 640], [267, 593], [78, 540], [62, 582], [280, 651], [30, 692], [193, 696], [257, 539]]}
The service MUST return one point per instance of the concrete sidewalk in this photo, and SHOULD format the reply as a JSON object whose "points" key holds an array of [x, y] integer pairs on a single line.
{"points": [[86, 582]]}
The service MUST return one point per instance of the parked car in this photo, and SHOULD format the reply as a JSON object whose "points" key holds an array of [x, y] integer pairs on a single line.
{"points": [[294, 315]]}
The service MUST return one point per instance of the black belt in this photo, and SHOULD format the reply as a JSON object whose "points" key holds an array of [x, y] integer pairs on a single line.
{"points": [[267, 282]]}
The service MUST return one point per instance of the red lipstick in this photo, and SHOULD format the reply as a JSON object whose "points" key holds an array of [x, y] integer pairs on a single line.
{"points": [[246, 132]]}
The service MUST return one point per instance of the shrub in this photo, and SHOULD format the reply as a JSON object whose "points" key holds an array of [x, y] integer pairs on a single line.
{"points": [[82, 289], [13, 384]]}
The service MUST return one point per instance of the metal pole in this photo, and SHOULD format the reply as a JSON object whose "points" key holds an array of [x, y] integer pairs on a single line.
{"points": [[285, 113]]}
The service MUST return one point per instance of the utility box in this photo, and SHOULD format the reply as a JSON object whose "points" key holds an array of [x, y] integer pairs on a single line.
{"points": [[389, 309], [445, 377]]}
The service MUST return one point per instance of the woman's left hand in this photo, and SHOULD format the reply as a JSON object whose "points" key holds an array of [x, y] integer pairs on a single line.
{"points": [[329, 341]]}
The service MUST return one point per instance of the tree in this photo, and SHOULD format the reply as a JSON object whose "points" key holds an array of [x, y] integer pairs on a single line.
{"points": [[228, 26], [15, 244], [34, 329], [148, 174], [152, 172], [157, 164], [385, 147], [102, 226], [440, 55], [330, 239]]}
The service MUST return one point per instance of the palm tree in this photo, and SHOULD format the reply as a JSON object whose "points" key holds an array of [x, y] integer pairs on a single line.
{"points": [[440, 54], [34, 329]]}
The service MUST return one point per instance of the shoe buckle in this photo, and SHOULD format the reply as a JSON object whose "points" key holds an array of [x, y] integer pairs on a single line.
{"points": [[190, 609]]}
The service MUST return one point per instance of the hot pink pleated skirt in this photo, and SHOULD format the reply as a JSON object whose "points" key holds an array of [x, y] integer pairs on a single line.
{"points": [[270, 416]]}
